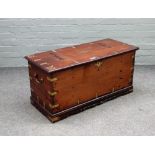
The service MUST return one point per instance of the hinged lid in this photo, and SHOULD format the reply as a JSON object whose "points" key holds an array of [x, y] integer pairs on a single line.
{"points": [[54, 60]]}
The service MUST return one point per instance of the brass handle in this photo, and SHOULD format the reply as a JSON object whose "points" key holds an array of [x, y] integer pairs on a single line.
{"points": [[37, 79]]}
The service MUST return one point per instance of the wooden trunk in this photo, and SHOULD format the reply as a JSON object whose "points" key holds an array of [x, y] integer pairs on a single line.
{"points": [[69, 80]]}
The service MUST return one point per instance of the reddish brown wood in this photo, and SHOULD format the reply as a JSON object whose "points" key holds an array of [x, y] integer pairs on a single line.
{"points": [[59, 59], [86, 82], [74, 78]]}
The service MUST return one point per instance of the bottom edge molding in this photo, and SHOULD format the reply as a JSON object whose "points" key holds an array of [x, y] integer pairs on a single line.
{"points": [[81, 107]]}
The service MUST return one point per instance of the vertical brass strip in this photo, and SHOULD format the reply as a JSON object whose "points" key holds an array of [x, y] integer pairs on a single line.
{"points": [[52, 93], [132, 68]]}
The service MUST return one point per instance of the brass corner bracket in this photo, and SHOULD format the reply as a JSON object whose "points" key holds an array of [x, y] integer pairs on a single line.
{"points": [[52, 93], [52, 106], [52, 79]]}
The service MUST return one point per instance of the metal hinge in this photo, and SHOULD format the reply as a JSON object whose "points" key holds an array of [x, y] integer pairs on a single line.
{"points": [[52, 93], [52, 79]]}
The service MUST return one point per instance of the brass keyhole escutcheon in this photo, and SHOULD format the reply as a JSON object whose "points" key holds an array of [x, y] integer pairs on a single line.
{"points": [[98, 64]]}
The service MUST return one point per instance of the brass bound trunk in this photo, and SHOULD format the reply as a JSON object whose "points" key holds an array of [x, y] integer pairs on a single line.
{"points": [[69, 80]]}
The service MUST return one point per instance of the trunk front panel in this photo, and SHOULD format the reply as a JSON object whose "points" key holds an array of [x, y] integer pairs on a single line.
{"points": [[86, 82]]}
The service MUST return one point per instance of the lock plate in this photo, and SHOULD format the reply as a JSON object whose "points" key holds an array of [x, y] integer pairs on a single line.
{"points": [[98, 63]]}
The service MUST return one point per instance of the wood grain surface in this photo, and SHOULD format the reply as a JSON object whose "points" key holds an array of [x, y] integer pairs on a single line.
{"points": [[73, 77]]}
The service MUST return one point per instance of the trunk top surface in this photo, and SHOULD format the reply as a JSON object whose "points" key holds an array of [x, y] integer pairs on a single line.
{"points": [[55, 60]]}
